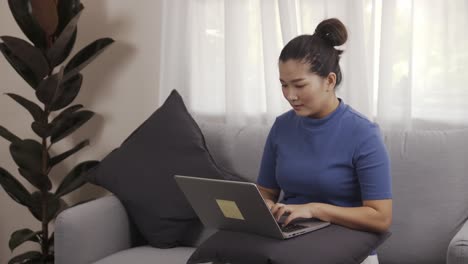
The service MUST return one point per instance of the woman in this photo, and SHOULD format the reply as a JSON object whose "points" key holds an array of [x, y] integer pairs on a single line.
{"points": [[329, 160]]}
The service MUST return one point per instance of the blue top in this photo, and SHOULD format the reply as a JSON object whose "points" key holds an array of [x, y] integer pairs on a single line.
{"points": [[339, 159]]}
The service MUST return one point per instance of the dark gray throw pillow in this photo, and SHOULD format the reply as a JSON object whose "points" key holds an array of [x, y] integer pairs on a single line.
{"points": [[330, 245], [141, 173]]}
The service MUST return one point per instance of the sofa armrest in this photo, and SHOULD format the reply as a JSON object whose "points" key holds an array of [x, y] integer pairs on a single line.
{"points": [[91, 231], [457, 252]]}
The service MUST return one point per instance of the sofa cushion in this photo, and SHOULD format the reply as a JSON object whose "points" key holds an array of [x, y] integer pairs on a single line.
{"points": [[332, 244], [430, 197], [149, 255], [237, 148], [429, 183], [141, 173]]}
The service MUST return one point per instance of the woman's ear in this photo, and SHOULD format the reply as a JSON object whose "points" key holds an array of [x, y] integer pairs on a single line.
{"points": [[331, 81]]}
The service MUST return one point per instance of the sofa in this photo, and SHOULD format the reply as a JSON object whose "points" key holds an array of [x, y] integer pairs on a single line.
{"points": [[430, 202]]}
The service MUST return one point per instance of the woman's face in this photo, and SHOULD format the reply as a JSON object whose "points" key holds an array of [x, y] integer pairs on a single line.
{"points": [[308, 93]]}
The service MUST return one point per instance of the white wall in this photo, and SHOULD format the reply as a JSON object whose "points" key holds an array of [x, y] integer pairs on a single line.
{"points": [[120, 86]]}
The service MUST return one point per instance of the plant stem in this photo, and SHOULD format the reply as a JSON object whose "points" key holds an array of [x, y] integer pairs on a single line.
{"points": [[45, 173], [45, 209], [45, 224]]}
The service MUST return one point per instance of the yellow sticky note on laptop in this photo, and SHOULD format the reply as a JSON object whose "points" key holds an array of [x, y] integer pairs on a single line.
{"points": [[230, 209]]}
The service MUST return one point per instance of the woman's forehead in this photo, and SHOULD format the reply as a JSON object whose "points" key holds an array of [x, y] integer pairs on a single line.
{"points": [[293, 69]]}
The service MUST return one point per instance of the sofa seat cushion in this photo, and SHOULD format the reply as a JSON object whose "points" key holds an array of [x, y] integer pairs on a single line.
{"points": [[149, 255]]}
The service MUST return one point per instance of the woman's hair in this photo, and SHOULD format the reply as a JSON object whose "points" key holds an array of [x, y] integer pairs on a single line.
{"points": [[318, 49]]}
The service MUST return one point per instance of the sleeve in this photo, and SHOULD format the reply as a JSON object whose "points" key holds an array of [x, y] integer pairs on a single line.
{"points": [[372, 166], [267, 174]]}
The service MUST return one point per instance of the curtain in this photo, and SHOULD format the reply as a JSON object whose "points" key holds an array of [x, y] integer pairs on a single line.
{"points": [[403, 65]]}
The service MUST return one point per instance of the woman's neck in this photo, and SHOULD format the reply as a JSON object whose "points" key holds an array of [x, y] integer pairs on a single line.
{"points": [[330, 106]]}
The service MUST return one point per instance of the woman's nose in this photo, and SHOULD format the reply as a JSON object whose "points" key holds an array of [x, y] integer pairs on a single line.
{"points": [[291, 97], [290, 94]]}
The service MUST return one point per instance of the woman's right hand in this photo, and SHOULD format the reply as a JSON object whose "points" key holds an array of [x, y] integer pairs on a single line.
{"points": [[269, 203], [269, 195]]}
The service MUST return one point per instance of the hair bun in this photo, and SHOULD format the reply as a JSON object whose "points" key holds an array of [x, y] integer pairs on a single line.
{"points": [[332, 31]]}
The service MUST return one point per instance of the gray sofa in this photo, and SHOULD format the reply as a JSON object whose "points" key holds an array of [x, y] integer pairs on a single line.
{"points": [[430, 203]]}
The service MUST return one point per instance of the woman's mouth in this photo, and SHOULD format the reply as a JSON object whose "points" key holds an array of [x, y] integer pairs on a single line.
{"points": [[297, 107]]}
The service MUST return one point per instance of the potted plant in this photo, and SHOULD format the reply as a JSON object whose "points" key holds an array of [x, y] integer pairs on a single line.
{"points": [[51, 27]]}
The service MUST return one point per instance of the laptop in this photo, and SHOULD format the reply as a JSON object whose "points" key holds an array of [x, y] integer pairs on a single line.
{"points": [[239, 206]]}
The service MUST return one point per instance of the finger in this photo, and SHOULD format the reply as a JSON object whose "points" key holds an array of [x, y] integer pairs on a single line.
{"points": [[275, 208], [274, 211], [279, 205], [290, 218], [281, 212], [277, 212]]}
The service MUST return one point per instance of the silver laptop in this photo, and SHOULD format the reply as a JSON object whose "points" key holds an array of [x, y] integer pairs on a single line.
{"points": [[239, 206]]}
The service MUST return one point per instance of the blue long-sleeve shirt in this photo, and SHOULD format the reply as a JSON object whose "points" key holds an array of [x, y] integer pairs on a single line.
{"points": [[339, 159]]}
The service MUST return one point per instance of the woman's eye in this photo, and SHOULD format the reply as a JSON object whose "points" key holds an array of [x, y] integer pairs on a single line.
{"points": [[301, 86]]}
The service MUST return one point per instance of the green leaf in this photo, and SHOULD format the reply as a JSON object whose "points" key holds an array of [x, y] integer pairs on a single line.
{"points": [[38, 180], [41, 129], [57, 159], [28, 155], [69, 90], [67, 111], [53, 205], [8, 135], [63, 115], [75, 178], [22, 13], [29, 55], [20, 67], [48, 89], [20, 236], [86, 56], [26, 257], [14, 188], [67, 10], [32, 108], [68, 124], [46, 15], [57, 53]]}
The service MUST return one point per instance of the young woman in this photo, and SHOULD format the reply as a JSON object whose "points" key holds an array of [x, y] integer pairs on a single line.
{"points": [[328, 159]]}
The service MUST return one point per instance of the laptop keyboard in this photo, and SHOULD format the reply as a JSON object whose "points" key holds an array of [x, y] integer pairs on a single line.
{"points": [[292, 227]]}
